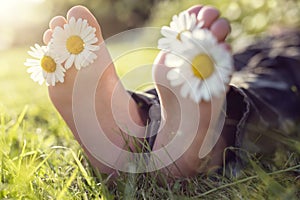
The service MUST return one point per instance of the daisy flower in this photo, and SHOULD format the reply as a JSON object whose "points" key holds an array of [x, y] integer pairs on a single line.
{"points": [[44, 67], [203, 68], [75, 43], [184, 23]]}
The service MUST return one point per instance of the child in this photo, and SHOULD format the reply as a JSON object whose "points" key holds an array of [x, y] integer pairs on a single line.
{"points": [[264, 92]]}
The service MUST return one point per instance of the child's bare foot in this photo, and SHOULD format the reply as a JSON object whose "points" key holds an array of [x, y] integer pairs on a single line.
{"points": [[172, 102], [61, 94]]}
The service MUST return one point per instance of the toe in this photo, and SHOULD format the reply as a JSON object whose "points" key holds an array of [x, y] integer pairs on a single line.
{"points": [[47, 36], [82, 12], [57, 21], [220, 28], [54, 22], [195, 9], [208, 14]]}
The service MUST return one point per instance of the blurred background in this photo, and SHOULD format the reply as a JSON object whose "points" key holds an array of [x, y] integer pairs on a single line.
{"points": [[22, 23]]}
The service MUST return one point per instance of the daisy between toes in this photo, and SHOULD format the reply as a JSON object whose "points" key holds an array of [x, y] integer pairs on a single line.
{"points": [[75, 43], [200, 65]]}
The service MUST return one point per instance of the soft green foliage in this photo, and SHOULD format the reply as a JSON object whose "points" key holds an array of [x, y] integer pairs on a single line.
{"points": [[39, 159]]}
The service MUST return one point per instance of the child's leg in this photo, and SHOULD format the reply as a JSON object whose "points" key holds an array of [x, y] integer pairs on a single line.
{"points": [[189, 163], [61, 94]]}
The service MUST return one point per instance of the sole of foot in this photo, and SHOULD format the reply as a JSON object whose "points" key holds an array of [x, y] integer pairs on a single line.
{"points": [[189, 163], [109, 87]]}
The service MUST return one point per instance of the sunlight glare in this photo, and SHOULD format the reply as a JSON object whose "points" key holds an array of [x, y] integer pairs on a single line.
{"points": [[14, 11], [16, 16]]}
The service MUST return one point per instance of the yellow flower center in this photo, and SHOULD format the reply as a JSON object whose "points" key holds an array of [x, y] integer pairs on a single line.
{"points": [[48, 64], [202, 66], [75, 44]]}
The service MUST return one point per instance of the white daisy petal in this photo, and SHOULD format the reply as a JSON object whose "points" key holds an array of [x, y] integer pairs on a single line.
{"points": [[181, 21], [173, 60], [72, 24], [89, 57], [41, 81], [34, 76], [31, 62], [173, 74], [198, 94], [48, 79], [194, 22], [53, 79], [89, 37], [39, 49], [44, 74], [84, 25], [70, 61], [60, 77], [200, 24], [67, 31], [177, 82], [213, 85], [33, 69], [92, 47], [173, 25], [168, 32], [92, 40], [34, 54], [58, 32], [88, 31], [189, 22], [78, 26], [201, 91], [78, 62], [175, 18], [193, 91], [185, 90], [164, 43]]}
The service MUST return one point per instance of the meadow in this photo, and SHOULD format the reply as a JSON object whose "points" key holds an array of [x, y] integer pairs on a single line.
{"points": [[39, 158]]}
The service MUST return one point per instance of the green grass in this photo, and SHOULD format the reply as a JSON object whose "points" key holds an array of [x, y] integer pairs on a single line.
{"points": [[39, 159]]}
